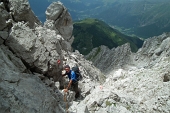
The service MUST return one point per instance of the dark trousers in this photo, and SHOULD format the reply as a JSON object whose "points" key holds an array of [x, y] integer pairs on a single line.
{"points": [[74, 87]]}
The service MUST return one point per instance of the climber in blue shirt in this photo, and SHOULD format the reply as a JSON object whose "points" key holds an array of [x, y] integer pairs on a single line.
{"points": [[71, 75], [72, 80]]}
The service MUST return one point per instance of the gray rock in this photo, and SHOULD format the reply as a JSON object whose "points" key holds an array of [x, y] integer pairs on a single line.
{"points": [[61, 19], [40, 49], [112, 59], [54, 11], [10, 60], [140, 85], [4, 34], [5, 61], [24, 92], [1, 41], [4, 16], [20, 11]]}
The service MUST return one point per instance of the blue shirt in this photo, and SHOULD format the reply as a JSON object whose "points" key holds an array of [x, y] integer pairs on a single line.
{"points": [[72, 75]]}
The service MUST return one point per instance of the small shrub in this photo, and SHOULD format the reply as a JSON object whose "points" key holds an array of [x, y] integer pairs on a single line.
{"points": [[108, 103]]}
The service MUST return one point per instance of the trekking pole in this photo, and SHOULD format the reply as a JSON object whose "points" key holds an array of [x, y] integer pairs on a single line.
{"points": [[65, 100]]}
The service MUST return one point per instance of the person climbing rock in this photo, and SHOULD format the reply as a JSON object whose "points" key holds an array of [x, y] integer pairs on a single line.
{"points": [[73, 82]]}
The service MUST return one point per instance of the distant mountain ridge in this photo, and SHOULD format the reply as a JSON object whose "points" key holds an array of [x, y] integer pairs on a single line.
{"points": [[91, 33], [141, 18], [144, 18]]}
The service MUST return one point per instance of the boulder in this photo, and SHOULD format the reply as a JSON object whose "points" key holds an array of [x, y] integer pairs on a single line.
{"points": [[4, 35], [39, 49], [60, 17], [21, 92], [20, 11]]}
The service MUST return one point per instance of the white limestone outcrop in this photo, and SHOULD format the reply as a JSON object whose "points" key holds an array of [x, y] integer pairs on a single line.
{"points": [[40, 47], [20, 11], [141, 85], [59, 19], [112, 59]]}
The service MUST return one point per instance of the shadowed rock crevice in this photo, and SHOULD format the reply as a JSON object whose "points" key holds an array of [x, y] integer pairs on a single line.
{"points": [[166, 77], [6, 4]]}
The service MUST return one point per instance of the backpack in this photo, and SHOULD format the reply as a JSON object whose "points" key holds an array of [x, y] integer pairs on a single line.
{"points": [[77, 72]]}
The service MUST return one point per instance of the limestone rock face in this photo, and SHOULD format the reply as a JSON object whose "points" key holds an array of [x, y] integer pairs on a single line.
{"points": [[54, 11], [10, 61], [32, 57], [140, 85], [59, 18], [41, 47], [20, 11], [28, 53], [153, 50], [112, 59], [21, 92]]}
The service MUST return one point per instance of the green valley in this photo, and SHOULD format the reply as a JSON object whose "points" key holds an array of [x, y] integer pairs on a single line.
{"points": [[91, 33]]}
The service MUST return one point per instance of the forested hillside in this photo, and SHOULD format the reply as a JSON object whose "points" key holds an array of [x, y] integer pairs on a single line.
{"points": [[91, 33]]}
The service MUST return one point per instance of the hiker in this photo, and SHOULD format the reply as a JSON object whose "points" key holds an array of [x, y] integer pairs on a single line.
{"points": [[73, 82]]}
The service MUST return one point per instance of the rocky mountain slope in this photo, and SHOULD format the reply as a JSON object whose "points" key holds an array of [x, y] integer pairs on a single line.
{"points": [[32, 57], [136, 82]]}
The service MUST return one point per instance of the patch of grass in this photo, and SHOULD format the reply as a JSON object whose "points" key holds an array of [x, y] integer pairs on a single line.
{"points": [[97, 52], [139, 79], [134, 89], [90, 57], [108, 103], [114, 104], [128, 107], [102, 78]]}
